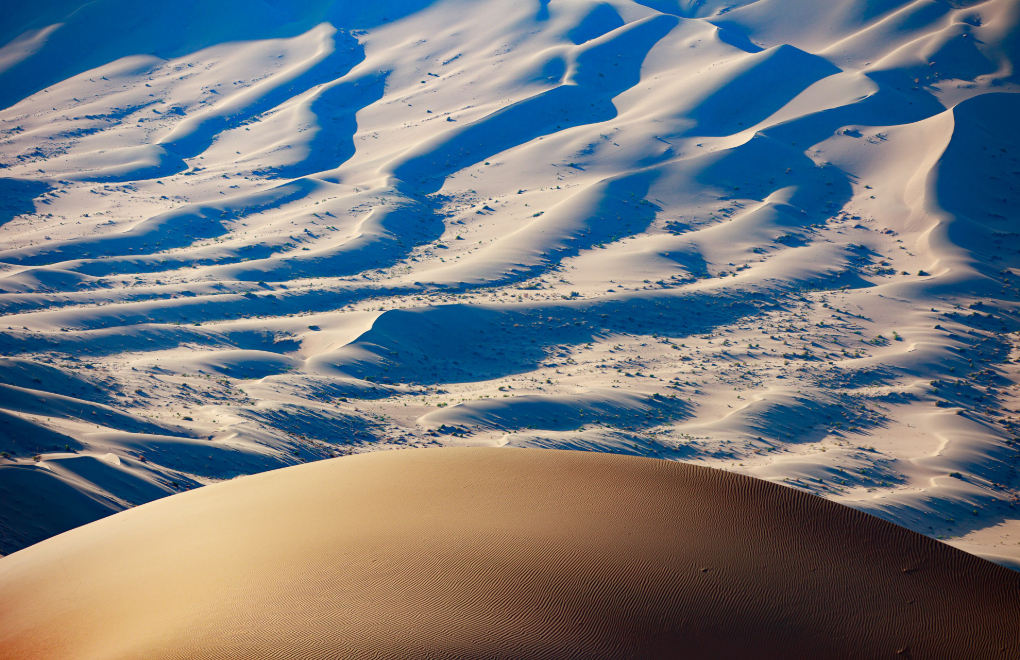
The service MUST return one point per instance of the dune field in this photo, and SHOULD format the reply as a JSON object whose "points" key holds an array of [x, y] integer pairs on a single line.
{"points": [[775, 237], [502, 553]]}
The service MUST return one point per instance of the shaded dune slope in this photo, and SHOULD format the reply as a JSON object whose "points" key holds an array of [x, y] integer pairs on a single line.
{"points": [[770, 236], [501, 553]]}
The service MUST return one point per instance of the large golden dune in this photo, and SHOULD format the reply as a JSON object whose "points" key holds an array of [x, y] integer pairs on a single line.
{"points": [[501, 553]]}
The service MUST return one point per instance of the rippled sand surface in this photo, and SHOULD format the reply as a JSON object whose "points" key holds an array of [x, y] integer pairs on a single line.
{"points": [[502, 553]]}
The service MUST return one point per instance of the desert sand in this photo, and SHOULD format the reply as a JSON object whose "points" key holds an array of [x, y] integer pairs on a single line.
{"points": [[502, 553], [774, 237]]}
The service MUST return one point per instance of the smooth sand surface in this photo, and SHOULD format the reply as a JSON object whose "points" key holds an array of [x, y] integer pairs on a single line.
{"points": [[501, 553]]}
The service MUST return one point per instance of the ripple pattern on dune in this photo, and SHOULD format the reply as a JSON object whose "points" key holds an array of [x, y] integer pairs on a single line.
{"points": [[487, 553], [772, 236]]}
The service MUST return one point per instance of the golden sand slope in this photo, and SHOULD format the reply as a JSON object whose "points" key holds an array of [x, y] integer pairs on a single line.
{"points": [[501, 553]]}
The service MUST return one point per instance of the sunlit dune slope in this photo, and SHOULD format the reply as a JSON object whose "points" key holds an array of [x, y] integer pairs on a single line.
{"points": [[501, 553]]}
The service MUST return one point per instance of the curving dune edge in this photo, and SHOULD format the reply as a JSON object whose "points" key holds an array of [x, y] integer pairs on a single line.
{"points": [[501, 553]]}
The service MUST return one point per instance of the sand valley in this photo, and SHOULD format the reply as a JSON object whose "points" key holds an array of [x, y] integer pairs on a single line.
{"points": [[777, 237]]}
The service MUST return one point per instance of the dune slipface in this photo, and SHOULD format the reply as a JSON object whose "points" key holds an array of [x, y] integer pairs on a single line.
{"points": [[501, 553]]}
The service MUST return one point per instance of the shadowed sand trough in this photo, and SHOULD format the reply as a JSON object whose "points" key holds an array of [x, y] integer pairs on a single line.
{"points": [[501, 553], [777, 237]]}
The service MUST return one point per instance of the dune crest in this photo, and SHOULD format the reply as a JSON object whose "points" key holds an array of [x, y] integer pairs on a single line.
{"points": [[497, 553]]}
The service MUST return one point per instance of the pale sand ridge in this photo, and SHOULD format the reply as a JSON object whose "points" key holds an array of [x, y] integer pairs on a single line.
{"points": [[775, 237]]}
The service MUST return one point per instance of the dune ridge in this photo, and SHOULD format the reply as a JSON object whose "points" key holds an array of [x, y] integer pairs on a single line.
{"points": [[774, 237], [483, 552]]}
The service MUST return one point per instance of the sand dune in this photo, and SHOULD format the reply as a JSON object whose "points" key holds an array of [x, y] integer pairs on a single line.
{"points": [[776, 237], [496, 553]]}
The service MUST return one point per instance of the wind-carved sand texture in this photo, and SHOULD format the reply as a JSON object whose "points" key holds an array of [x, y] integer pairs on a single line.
{"points": [[502, 553], [775, 237]]}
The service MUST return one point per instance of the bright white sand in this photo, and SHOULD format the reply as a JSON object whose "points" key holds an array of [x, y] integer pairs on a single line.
{"points": [[776, 237]]}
